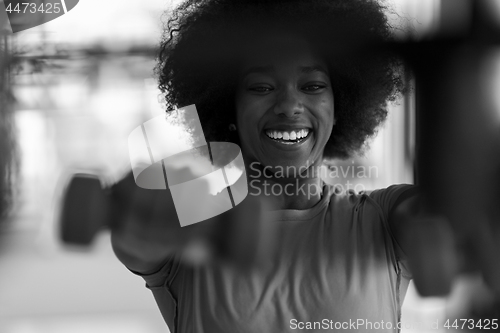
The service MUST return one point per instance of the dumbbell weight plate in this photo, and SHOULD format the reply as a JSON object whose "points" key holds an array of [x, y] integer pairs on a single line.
{"points": [[84, 210]]}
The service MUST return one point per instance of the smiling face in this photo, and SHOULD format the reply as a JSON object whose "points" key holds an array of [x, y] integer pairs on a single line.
{"points": [[284, 105]]}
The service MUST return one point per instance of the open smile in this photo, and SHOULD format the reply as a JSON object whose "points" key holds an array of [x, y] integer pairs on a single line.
{"points": [[289, 137]]}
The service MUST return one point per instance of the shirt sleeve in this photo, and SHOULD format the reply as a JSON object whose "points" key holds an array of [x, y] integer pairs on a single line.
{"points": [[388, 199], [159, 283]]}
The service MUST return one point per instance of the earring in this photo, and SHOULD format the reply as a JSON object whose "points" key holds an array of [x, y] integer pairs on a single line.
{"points": [[232, 128]]}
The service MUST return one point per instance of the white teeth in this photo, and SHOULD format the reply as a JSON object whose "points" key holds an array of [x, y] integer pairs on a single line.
{"points": [[286, 136]]}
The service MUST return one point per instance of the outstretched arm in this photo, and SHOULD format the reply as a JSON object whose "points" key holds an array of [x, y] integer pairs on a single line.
{"points": [[438, 251], [146, 231]]}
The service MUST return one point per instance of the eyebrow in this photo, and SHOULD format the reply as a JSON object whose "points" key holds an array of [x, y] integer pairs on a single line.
{"points": [[270, 69], [258, 69], [315, 68]]}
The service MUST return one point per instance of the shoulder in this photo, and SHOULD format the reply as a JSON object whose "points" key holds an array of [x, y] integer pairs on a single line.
{"points": [[387, 199], [391, 191], [382, 200]]}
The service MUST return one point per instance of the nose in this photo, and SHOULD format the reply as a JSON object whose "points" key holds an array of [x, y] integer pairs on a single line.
{"points": [[289, 103]]}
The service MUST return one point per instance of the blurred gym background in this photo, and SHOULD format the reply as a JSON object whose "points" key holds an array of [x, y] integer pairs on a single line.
{"points": [[75, 88]]}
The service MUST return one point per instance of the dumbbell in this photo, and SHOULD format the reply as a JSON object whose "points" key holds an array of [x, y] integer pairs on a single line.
{"points": [[85, 209]]}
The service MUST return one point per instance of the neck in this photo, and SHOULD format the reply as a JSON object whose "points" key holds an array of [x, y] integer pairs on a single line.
{"points": [[300, 192]]}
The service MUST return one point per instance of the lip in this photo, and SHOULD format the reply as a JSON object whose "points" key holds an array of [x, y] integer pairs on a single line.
{"points": [[285, 128]]}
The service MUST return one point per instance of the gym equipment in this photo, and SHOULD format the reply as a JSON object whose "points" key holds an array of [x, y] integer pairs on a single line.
{"points": [[85, 209]]}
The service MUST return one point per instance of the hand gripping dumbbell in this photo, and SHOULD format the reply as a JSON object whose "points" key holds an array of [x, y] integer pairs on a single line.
{"points": [[166, 153]]}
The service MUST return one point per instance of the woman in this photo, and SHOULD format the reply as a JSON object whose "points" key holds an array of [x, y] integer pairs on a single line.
{"points": [[292, 83]]}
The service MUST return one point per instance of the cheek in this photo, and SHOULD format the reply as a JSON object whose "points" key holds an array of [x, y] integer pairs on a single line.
{"points": [[248, 114], [244, 123], [328, 106], [327, 111]]}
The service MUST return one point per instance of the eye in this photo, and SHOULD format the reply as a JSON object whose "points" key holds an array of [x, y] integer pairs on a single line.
{"points": [[261, 89], [314, 88]]}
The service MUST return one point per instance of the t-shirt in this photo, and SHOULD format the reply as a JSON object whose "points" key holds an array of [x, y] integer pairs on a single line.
{"points": [[338, 267]]}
